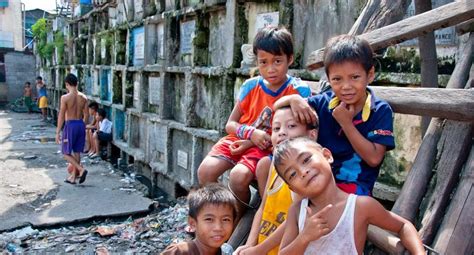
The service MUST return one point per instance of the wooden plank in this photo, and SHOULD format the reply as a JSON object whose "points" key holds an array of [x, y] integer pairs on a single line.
{"points": [[456, 230], [454, 145], [385, 240], [465, 27], [419, 176], [454, 104], [379, 13], [444, 16]]}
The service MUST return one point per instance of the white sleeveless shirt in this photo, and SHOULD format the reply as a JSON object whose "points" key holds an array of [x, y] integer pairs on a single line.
{"points": [[341, 239]]}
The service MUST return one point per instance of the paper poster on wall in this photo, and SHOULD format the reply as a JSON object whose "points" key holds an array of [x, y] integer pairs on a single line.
{"points": [[139, 51], [154, 87], [182, 159], [136, 91], [187, 34], [102, 48], [138, 45], [161, 42], [266, 19]]}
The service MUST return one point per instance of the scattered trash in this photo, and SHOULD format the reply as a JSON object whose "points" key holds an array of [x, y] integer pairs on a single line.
{"points": [[105, 231], [150, 234], [30, 157], [11, 247]]}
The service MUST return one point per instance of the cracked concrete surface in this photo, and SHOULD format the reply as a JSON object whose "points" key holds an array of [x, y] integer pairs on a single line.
{"points": [[32, 191]]}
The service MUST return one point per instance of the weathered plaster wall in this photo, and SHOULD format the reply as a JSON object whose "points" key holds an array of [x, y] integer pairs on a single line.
{"points": [[19, 68]]}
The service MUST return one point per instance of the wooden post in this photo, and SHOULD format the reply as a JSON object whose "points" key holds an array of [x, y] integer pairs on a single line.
{"points": [[429, 61], [379, 13], [420, 174], [456, 236], [453, 147], [385, 240]]}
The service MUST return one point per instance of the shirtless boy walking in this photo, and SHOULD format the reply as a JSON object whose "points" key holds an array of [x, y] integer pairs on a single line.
{"points": [[72, 113]]}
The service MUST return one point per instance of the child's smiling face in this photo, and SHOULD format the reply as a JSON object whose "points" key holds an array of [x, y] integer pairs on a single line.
{"points": [[349, 82], [213, 225], [285, 126], [306, 168]]}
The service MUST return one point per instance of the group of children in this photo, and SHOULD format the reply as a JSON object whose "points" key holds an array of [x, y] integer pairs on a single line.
{"points": [[98, 129], [315, 164], [42, 97]]}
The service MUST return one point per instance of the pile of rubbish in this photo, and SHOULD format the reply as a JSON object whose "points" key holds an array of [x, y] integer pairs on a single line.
{"points": [[150, 234]]}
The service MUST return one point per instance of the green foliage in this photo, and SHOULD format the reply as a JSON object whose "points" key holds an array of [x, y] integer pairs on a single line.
{"points": [[59, 44], [40, 32]]}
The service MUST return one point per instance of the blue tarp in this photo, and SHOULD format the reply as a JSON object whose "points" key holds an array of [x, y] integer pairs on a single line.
{"points": [[3, 3]]}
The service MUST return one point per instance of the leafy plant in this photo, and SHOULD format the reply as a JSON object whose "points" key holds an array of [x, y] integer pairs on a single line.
{"points": [[59, 44], [40, 32]]}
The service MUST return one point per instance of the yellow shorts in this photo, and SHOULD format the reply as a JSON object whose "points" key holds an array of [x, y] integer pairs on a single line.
{"points": [[43, 102]]}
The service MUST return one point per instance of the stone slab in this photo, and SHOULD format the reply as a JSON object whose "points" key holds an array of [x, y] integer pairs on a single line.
{"points": [[32, 191]]}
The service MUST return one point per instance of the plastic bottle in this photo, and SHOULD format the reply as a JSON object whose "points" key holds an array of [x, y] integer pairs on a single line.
{"points": [[227, 249]]}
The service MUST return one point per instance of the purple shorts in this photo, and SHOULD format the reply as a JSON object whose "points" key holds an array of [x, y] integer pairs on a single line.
{"points": [[74, 137]]}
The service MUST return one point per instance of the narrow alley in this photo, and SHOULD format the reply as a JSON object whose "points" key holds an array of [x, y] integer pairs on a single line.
{"points": [[40, 212]]}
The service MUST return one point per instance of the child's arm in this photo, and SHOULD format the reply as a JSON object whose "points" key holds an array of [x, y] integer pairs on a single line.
{"points": [[61, 116], [302, 111], [259, 137], [240, 146], [378, 216], [372, 153]]}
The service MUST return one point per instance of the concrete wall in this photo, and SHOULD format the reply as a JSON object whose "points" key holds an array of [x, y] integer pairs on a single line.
{"points": [[19, 68], [11, 29]]}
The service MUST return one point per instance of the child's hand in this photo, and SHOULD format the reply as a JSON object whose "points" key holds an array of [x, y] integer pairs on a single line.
{"points": [[57, 138], [238, 147], [344, 114], [316, 225], [261, 139], [302, 111], [247, 250]]}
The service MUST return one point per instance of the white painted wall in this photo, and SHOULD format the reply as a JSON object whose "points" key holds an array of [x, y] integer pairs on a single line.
{"points": [[11, 26]]}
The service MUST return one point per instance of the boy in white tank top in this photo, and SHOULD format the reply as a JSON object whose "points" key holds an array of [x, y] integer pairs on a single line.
{"points": [[328, 220]]}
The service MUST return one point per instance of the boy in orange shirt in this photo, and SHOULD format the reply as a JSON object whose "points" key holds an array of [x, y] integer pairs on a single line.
{"points": [[251, 117]]}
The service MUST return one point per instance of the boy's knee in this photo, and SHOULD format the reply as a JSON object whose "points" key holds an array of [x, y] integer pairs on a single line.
{"points": [[204, 174], [241, 176]]}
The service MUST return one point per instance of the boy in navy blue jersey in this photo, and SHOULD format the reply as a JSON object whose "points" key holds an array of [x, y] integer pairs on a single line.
{"points": [[355, 126]]}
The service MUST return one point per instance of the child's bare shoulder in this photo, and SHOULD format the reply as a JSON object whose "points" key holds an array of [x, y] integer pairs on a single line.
{"points": [[368, 206]]}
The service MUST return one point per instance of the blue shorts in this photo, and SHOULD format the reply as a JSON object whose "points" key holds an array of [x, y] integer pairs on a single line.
{"points": [[74, 137]]}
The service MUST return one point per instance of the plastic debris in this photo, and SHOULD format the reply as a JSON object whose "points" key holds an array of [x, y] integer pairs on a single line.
{"points": [[105, 231], [150, 234]]}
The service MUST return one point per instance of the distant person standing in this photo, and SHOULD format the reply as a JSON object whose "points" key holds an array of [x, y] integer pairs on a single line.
{"points": [[73, 113], [27, 93], [42, 97]]}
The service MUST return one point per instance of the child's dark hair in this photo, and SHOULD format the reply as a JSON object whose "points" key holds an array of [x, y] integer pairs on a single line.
{"points": [[39, 78], [344, 48], [279, 153], [102, 113], [71, 79], [94, 105], [214, 194], [277, 41], [27, 83], [309, 126]]}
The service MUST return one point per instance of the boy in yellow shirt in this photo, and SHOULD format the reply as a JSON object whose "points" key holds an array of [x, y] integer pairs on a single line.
{"points": [[268, 224]]}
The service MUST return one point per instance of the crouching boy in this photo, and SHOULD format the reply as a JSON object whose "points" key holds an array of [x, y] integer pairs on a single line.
{"points": [[328, 220], [212, 211]]}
